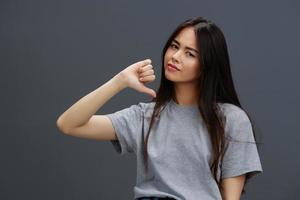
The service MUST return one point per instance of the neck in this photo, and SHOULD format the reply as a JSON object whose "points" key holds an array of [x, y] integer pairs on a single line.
{"points": [[186, 94]]}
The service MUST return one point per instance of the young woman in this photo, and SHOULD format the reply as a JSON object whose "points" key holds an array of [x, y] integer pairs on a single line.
{"points": [[193, 140]]}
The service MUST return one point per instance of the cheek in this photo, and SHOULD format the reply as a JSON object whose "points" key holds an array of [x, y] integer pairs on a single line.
{"points": [[194, 68], [197, 67], [167, 57], [193, 63], [167, 54]]}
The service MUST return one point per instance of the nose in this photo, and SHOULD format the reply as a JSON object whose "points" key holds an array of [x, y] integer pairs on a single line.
{"points": [[176, 56]]}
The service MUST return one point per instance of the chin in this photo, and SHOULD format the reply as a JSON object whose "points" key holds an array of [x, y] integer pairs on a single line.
{"points": [[170, 78]]}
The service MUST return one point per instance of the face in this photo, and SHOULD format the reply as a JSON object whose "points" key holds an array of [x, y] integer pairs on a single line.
{"points": [[184, 54]]}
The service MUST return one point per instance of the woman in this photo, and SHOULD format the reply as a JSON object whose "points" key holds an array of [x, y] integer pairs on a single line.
{"points": [[193, 140]]}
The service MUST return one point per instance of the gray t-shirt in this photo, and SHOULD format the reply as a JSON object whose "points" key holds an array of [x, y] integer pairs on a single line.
{"points": [[179, 149]]}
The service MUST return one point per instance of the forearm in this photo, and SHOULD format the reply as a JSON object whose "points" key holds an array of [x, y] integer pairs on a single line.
{"points": [[232, 187], [80, 112]]}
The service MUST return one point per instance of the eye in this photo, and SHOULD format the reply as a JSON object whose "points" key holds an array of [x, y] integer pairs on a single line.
{"points": [[173, 45], [190, 54]]}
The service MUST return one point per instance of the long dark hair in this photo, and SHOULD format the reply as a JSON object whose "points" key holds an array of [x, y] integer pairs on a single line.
{"points": [[215, 83]]}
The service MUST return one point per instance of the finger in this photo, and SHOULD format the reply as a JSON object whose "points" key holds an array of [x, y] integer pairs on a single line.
{"points": [[147, 78], [145, 68], [146, 73], [143, 63]]}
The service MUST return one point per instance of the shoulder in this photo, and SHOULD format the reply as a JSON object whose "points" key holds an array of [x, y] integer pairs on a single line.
{"points": [[232, 111], [148, 108], [237, 122], [144, 107]]}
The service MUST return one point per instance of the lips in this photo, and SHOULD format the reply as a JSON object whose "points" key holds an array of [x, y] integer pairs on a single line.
{"points": [[173, 66]]}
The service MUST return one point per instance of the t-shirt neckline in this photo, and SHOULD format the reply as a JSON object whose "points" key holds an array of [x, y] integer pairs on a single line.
{"points": [[183, 107]]}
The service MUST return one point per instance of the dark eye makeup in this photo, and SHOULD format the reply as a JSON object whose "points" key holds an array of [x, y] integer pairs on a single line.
{"points": [[175, 46]]}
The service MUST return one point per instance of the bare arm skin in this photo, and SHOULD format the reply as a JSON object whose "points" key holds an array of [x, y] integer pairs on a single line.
{"points": [[232, 187], [80, 120]]}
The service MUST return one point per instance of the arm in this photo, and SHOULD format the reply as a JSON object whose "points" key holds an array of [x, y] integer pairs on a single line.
{"points": [[80, 113], [232, 187], [79, 120]]}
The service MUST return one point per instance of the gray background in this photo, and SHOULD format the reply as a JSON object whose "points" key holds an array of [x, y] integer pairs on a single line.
{"points": [[52, 53]]}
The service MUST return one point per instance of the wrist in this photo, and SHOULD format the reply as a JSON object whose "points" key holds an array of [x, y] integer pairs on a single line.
{"points": [[120, 81]]}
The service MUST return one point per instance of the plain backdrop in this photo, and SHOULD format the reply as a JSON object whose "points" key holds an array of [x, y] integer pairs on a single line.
{"points": [[52, 53]]}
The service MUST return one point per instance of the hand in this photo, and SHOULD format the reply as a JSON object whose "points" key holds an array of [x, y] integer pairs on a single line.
{"points": [[139, 73]]}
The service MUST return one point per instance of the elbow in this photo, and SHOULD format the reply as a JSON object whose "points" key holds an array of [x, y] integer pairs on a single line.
{"points": [[61, 127]]}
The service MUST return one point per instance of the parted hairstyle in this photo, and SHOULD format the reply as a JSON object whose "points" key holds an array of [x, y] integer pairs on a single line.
{"points": [[215, 83]]}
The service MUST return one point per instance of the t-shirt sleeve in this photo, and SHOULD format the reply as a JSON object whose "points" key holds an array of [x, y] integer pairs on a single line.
{"points": [[128, 126], [241, 155]]}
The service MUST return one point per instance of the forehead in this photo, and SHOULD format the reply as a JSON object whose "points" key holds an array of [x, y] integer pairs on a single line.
{"points": [[187, 37]]}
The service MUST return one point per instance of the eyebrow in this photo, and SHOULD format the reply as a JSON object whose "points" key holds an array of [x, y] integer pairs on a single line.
{"points": [[174, 40]]}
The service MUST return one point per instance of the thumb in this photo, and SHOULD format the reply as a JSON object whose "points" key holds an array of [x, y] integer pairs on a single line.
{"points": [[149, 91]]}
